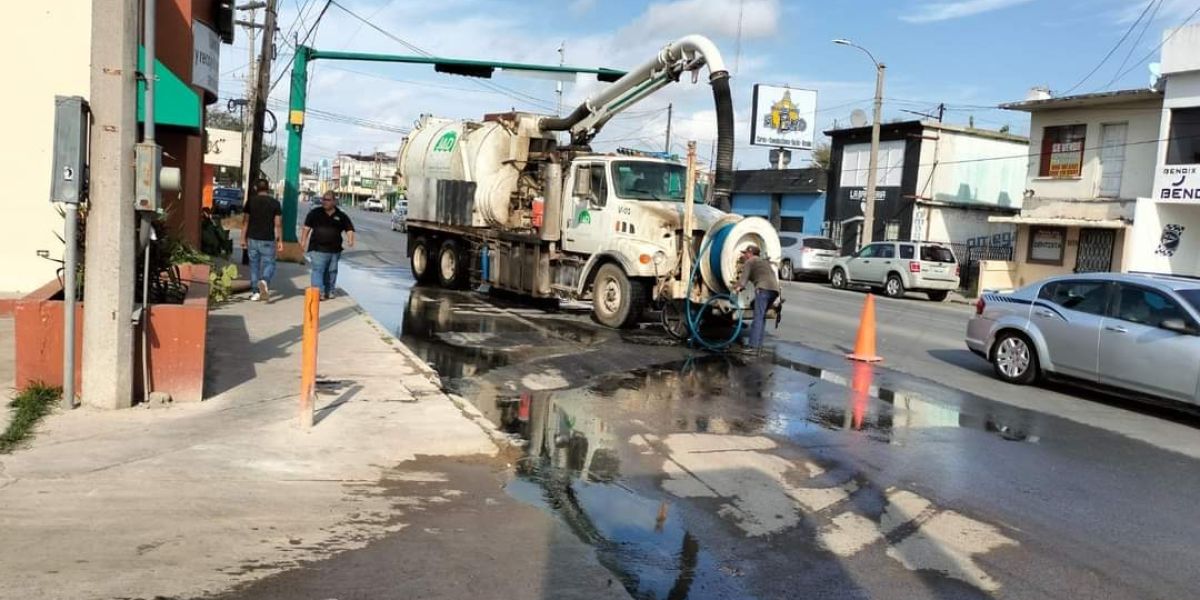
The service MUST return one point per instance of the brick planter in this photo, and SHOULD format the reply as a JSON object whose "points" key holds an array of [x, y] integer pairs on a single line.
{"points": [[176, 334]]}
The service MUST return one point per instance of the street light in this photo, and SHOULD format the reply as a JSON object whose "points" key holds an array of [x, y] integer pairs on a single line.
{"points": [[872, 169]]}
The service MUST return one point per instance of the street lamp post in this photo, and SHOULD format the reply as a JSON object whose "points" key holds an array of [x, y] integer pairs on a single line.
{"points": [[868, 234]]}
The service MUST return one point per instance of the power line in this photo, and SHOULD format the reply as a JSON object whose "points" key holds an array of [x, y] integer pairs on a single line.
{"points": [[1166, 39], [1038, 155], [1112, 50], [1136, 41]]}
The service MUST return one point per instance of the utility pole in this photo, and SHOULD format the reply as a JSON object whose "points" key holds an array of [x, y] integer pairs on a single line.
{"points": [[262, 83], [868, 235], [251, 26], [670, 110], [558, 87], [111, 258]]}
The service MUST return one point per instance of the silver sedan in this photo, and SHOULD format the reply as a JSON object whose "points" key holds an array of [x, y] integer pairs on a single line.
{"points": [[1133, 333]]}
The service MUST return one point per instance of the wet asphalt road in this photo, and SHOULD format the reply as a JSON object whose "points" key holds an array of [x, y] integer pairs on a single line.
{"points": [[797, 475]]}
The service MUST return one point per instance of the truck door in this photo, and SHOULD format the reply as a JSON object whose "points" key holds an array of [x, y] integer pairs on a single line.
{"points": [[587, 218]]}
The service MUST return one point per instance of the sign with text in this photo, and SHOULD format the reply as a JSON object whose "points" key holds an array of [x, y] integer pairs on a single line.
{"points": [[206, 57], [1177, 184], [783, 117], [222, 147], [1047, 244]]}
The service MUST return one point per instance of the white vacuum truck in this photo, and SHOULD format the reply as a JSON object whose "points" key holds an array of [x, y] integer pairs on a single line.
{"points": [[503, 202]]}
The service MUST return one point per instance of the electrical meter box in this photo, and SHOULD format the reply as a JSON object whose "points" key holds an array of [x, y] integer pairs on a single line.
{"points": [[68, 182]]}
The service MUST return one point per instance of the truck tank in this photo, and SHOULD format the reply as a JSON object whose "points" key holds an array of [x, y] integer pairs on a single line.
{"points": [[465, 173]]}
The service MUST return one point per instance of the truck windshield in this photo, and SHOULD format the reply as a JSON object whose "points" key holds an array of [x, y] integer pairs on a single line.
{"points": [[641, 180]]}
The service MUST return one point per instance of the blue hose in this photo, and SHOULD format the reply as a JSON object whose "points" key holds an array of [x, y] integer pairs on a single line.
{"points": [[693, 321]]}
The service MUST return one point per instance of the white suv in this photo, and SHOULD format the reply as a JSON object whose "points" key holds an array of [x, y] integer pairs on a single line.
{"points": [[897, 267]]}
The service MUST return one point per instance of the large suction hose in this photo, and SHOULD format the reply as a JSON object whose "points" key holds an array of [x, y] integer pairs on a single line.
{"points": [[723, 186]]}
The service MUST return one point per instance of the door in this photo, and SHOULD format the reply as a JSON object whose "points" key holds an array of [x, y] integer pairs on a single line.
{"points": [[587, 221], [868, 265], [1069, 314], [1112, 158], [1137, 353], [1095, 250]]}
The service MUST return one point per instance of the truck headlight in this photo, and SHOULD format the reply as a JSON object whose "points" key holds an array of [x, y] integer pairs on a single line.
{"points": [[660, 258]]}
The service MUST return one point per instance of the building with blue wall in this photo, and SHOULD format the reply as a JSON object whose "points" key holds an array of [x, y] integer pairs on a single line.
{"points": [[791, 199]]}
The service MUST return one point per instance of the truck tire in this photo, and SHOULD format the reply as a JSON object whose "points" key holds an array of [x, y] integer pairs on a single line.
{"points": [[452, 265], [617, 302], [421, 260]]}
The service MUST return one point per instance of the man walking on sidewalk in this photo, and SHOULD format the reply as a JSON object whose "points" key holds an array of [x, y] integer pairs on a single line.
{"points": [[322, 239], [262, 238], [758, 271]]}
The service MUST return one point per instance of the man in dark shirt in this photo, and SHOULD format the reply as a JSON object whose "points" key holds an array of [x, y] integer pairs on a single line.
{"points": [[262, 238], [758, 271], [322, 238]]}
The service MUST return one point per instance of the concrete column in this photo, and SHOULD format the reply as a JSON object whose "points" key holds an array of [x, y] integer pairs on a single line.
{"points": [[110, 251]]}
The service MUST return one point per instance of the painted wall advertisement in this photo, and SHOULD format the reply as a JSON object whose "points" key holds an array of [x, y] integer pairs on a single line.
{"points": [[206, 57], [783, 117], [1177, 183]]}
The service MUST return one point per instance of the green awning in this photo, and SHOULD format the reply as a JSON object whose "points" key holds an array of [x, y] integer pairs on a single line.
{"points": [[175, 104]]}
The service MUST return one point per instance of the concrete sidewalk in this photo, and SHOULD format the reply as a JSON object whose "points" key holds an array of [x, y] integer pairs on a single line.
{"points": [[195, 500]]}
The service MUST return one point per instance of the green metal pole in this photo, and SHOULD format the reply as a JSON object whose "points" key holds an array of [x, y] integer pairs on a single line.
{"points": [[295, 127]]}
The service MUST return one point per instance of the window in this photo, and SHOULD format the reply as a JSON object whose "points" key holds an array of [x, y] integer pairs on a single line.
{"points": [[1062, 151], [791, 224], [892, 230], [1192, 297], [599, 187], [874, 251], [885, 251], [1146, 307], [817, 243], [1089, 297], [645, 180], [1047, 245], [787, 242], [937, 254], [906, 251], [1183, 147], [856, 161]]}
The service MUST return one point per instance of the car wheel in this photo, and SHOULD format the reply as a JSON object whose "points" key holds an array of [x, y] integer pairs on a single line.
{"points": [[617, 302], [452, 265], [421, 260], [938, 296], [1015, 359], [785, 271], [837, 279], [894, 287]]}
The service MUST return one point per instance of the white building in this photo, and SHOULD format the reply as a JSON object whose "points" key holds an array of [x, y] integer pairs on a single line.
{"points": [[361, 176], [1091, 156], [1166, 234]]}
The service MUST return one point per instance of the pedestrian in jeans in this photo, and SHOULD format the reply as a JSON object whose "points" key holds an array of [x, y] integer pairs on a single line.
{"points": [[262, 238], [758, 271], [322, 238]]}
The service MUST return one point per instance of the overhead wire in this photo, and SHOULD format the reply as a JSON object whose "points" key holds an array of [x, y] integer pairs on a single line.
{"points": [[1112, 50], [1133, 47], [1164, 41]]}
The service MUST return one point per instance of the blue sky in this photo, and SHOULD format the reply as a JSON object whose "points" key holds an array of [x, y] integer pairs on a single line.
{"points": [[969, 54]]}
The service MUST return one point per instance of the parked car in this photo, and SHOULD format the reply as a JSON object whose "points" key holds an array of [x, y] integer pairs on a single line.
{"points": [[898, 267], [226, 201], [400, 216], [373, 205], [806, 256], [1130, 332]]}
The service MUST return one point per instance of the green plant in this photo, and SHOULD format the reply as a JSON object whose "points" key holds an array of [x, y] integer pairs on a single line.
{"points": [[220, 284], [182, 253], [33, 403]]}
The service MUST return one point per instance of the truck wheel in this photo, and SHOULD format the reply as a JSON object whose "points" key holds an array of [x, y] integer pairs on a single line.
{"points": [[452, 265], [421, 259], [617, 302]]}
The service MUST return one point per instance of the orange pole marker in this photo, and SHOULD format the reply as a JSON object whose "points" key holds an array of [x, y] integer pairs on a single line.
{"points": [[308, 356], [864, 346], [860, 386]]}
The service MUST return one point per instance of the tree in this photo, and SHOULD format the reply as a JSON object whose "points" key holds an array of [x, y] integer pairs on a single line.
{"points": [[219, 119], [820, 155]]}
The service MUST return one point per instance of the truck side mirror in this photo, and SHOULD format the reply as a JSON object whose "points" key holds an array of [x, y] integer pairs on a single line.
{"points": [[583, 183]]}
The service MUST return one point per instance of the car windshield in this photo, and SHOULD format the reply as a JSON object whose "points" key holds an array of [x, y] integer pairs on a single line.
{"points": [[1192, 297], [643, 180], [820, 244], [937, 254]]}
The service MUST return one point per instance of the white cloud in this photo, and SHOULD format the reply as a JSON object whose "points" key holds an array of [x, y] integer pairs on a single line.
{"points": [[582, 7], [759, 18], [944, 11], [1168, 14]]}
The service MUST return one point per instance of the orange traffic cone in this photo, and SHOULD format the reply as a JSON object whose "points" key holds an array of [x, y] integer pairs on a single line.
{"points": [[864, 346]]}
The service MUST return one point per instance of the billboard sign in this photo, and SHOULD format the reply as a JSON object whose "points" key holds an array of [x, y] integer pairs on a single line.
{"points": [[783, 117], [206, 58], [1177, 184]]}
